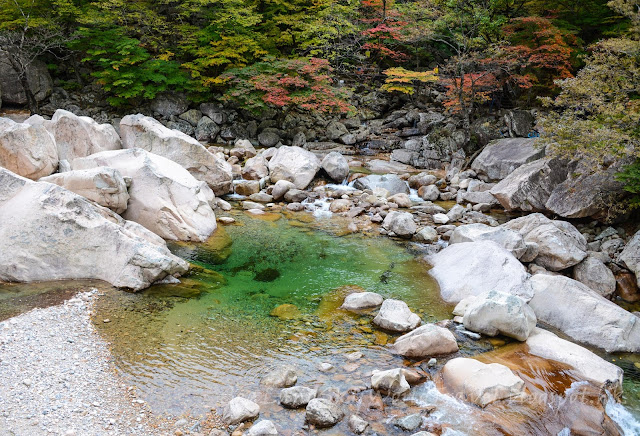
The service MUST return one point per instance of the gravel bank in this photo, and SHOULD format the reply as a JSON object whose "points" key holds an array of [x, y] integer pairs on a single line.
{"points": [[56, 378]]}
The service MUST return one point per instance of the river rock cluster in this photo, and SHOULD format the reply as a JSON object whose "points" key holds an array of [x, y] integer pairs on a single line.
{"points": [[74, 193]]}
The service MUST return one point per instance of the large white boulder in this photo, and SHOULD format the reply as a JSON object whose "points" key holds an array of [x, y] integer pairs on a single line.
{"points": [[481, 383], [27, 150], [81, 136], [504, 237], [426, 340], [50, 233], [294, 164], [472, 268], [630, 256], [104, 185], [560, 244], [164, 197], [583, 314], [588, 365], [396, 316], [143, 132], [494, 313]]}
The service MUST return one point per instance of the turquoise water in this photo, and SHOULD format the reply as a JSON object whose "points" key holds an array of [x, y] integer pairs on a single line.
{"points": [[193, 346]]}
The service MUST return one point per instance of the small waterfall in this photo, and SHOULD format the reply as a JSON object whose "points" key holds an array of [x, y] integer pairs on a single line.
{"points": [[628, 423]]}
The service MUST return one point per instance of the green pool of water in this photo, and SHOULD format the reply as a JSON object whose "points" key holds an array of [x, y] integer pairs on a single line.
{"points": [[193, 346]]}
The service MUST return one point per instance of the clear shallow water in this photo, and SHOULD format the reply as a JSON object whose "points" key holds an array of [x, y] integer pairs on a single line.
{"points": [[194, 346]]}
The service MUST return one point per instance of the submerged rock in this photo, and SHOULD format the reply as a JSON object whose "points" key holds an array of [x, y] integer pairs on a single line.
{"points": [[494, 313], [323, 413], [26, 150], [164, 197], [481, 383], [286, 311], [471, 268], [50, 233], [583, 314], [426, 340], [148, 134], [282, 377], [239, 410], [588, 365], [396, 316]]}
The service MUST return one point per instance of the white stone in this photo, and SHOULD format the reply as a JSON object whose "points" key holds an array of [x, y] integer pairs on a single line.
{"points": [[294, 164], [26, 150], [427, 340], [362, 300], [504, 237], [148, 134], [481, 383], [263, 428], [494, 313], [440, 218], [391, 382], [239, 410], [336, 166], [396, 316], [400, 223], [471, 268], [583, 314], [323, 413], [164, 197], [50, 233], [104, 185]]}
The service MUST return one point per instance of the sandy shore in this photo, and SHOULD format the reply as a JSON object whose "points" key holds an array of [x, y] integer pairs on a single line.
{"points": [[57, 378]]}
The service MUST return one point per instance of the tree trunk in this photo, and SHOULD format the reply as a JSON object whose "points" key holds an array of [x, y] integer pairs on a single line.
{"points": [[32, 103]]}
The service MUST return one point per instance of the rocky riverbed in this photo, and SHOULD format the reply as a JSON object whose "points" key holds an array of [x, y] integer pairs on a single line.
{"points": [[451, 273]]}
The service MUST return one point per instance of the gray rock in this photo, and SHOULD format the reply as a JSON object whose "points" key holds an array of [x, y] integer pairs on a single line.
{"points": [[239, 410], [501, 157], [593, 273], [269, 137], [400, 223], [282, 377], [335, 130], [362, 300], [506, 238], [215, 112], [336, 166], [422, 179], [630, 256], [168, 104], [560, 244], [50, 233], [297, 396], [493, 313], [472, 268], [281, 188], [456, 213], [427, 340], [357, 424], [295, 196], [390, 182], [192, 116], [519, 122], [255, 168], [426, 234], [529, 187], [409, 422], [589, 366], [38, 78], [583, 314], [396, 316], [429, 192], [206, 130], [323, 413], [247, 187]]}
